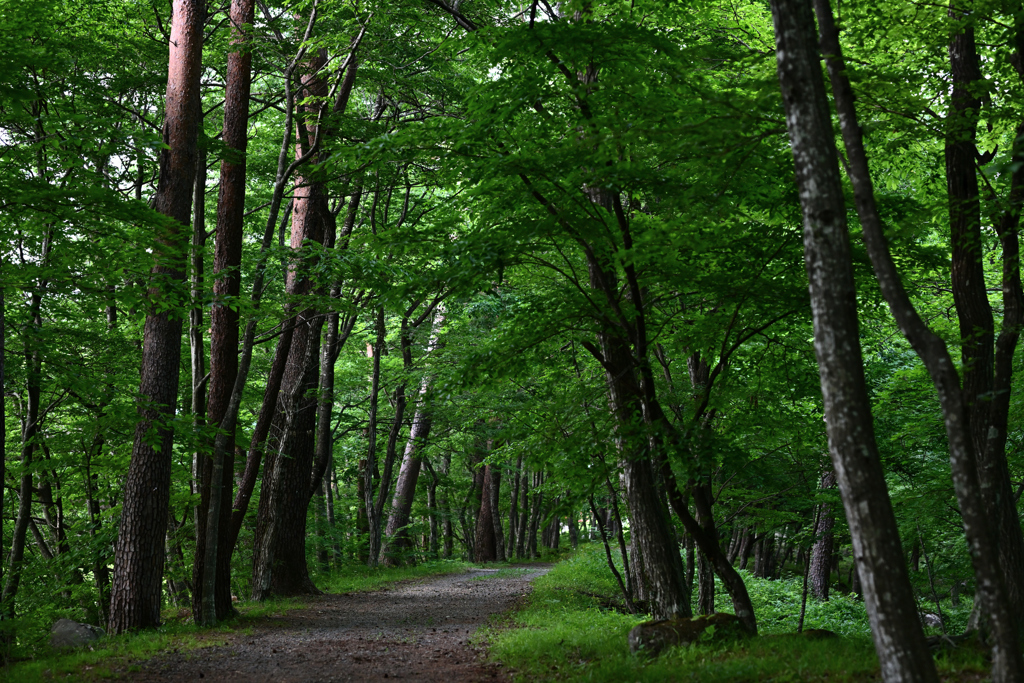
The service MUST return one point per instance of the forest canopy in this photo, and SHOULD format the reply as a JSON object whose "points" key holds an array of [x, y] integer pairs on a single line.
{"points": [[730, 286]]}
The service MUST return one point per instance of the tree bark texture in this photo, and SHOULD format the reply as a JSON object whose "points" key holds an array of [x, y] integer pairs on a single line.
{"points": [[983, 533], [977, 330], [485, 543], [224, 316], [398, 543], [656, 553], [819, 571], [138, 572], [279, 559], [892, 611]]}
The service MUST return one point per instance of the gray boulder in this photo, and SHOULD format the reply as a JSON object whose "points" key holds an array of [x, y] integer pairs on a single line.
{"points": [[67, 634]]}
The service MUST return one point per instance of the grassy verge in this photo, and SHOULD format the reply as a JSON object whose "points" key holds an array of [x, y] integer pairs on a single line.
{"points": [[179, 634], [572, 628]]}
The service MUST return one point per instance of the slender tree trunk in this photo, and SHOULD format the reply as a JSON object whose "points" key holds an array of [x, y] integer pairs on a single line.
{"points": [[408, 475], [538, 500], [372, 522], [819, 572], [214, 537], [446, 521], [29, 437], [3, 435], [982, 492], [899, 639], [433, 545], [513, 511], [405, 488], [627, 594], [987, 427], [524, 516], [362, 523], [494, 497]]}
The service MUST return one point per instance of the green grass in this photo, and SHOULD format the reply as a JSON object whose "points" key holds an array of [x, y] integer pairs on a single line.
{"points": [[565, 631], [178, 634], [356, 578]]}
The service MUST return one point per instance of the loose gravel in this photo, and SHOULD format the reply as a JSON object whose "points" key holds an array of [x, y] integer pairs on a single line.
{"points": [[413, 632]]}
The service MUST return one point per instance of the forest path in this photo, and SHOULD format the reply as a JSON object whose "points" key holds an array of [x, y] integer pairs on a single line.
{"points": [[411, 632]]}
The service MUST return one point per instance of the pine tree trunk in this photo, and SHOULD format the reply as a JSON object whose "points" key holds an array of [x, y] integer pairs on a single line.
{"points": [[224, 320], [139, 556], [485, 543], [820, 570]]}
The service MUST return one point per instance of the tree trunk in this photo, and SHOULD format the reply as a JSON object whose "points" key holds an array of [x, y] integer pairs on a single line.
{"points": [[5, 638], [372, 521], [434, 546], [899, 639], [446, 511], [524, 516], [215, 542], [819, 572], [513, 511], [494, 498], [362, 522], [987, 427], [650, 532], [29, 437], [279, 556], [982, 491], [705, 585], [538, 500], [485, 543], [139, 558], [405, 488], [408, 475], [746, 547]]}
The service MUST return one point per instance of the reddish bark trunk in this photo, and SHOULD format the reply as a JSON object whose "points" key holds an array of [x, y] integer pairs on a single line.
{"points": [[485, 547], [138, 569], [224, 317]]}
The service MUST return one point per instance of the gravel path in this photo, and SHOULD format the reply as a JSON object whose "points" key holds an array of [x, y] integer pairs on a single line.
{"points": [[412, 632]]}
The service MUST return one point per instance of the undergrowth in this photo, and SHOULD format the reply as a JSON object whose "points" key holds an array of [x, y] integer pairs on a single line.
{"points": [[178, 633], [573, 627]]}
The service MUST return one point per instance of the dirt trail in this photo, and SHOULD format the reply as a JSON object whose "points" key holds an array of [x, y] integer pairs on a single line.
{"points": [[412, 632]]}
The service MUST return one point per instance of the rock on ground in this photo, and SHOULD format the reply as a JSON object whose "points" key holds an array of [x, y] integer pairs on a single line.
{"points": [[70, 634], [651, 637]]}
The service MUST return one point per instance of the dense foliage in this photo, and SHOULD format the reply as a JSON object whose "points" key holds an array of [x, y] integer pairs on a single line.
{"points": [[512, 192]]}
